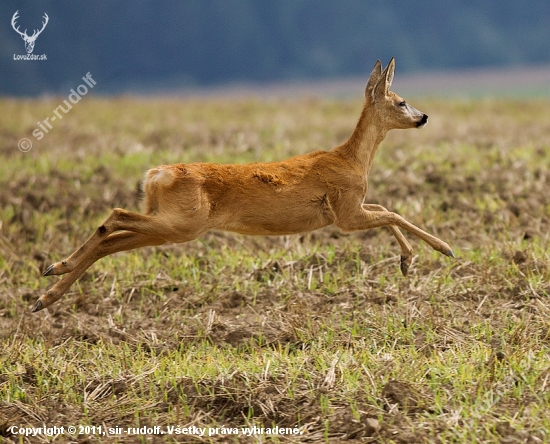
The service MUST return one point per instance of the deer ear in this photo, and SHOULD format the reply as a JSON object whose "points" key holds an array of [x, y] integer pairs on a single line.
{"points": [[390, 70], [374, 78], [386, 79]]}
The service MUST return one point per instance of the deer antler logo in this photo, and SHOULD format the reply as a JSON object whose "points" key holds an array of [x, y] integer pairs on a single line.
{"points": [[29, 40]]}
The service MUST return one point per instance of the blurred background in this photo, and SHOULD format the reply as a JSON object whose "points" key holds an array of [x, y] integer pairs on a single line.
{"points": [[219, 46]]}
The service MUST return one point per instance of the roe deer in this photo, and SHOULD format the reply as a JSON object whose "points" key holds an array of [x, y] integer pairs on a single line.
{"points": [[296, 195]]}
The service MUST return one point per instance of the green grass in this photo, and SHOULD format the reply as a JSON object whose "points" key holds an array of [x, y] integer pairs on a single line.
{"points": [[318, 331]]}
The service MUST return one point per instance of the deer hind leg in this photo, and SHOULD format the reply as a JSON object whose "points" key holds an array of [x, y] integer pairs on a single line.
{"points": [[158, 226], [365, 220], [119, 219], [154, 225], [113, 243], [406, 249], [69, 264]]}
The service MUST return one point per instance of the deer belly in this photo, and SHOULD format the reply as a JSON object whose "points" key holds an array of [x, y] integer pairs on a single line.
{"points": [[279, 218]]}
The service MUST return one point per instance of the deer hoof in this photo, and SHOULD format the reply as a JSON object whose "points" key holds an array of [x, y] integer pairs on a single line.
{"points": [[38, 306], [405, 264], [57, 269], [449, 253]]}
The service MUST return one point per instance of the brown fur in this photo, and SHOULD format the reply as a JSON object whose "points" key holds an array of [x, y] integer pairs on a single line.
{"points": [[296, 195]]}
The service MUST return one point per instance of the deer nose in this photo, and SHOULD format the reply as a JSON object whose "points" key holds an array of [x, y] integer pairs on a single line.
{"points": [[422, 121]]}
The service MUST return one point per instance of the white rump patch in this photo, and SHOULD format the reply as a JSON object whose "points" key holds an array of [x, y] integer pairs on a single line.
{"points": [[160, 175]]}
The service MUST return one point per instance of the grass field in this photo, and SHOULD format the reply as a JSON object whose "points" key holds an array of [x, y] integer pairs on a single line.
{"points": [[318, 331]]}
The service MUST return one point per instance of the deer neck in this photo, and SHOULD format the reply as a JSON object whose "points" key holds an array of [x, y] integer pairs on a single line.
{"points": [[361, 147]]}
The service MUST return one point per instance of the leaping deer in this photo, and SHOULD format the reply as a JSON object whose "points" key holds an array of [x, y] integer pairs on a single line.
{"points": [[297, 195], [29, 40]]}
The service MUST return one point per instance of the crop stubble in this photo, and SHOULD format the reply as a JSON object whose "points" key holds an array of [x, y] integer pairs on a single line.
{"points": [[319, 330]]}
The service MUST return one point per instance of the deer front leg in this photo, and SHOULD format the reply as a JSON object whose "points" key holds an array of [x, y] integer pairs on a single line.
{"points": [[364, 220], [406, 249], [112, 244]]}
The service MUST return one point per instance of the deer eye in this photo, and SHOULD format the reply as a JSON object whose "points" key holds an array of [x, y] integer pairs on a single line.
{"points": [[403, 104]]}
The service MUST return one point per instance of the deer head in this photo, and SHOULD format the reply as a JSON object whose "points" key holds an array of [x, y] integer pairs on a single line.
{"points": [[393, 110], [29, 40]]}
